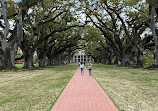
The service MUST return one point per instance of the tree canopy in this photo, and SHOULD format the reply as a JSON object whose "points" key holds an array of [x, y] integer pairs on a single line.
{"points": [[111, 31]]}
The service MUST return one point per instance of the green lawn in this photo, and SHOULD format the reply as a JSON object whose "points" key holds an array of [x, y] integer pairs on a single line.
{"points": [[130, 89], [35, 90], [22, 65], [19, 65]]}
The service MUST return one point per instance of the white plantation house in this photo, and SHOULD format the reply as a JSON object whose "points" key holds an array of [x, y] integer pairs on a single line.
{"points": [[81, 57]]}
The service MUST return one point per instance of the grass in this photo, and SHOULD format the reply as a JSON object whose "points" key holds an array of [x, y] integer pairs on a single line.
{"points": [[19, 65], [22, 65], [35, 90], [130, 89]]}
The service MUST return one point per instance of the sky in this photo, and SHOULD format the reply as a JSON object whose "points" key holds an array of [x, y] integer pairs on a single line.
{"points": [[17, 0]]}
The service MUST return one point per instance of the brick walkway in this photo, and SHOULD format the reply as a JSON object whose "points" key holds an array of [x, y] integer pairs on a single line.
{"points": [[83, 93]]}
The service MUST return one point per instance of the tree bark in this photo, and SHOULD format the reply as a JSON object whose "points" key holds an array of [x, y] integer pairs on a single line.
{"points": [[138, 49], [41, 57], [139, 61], [13, 53], [49, 62], [109, 60], [19, 26], [153, 29], [139, 57], [28, 57], [5, 45], [126, 60], [7, 60], [42, 61], [56, 60]]}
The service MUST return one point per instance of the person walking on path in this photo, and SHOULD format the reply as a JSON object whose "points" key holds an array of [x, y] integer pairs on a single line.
{"points": [[90, 68], [81, 67]]}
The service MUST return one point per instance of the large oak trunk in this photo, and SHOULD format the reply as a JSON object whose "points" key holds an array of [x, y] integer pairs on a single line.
{"points": [[41, 57], [126, 60], [7, 55], [42, 62], [153, 29], [7, 59], [139, 57], [49, 60], [139, 62], [55, 61], [28, 57], [5, 62], [109, 60]]}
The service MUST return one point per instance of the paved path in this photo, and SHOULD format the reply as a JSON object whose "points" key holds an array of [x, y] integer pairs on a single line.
{"points": [[83, 93]]}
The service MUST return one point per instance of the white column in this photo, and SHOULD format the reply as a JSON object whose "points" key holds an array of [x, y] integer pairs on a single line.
{"points": [[73, 58], [83, 59], [90, 59]]}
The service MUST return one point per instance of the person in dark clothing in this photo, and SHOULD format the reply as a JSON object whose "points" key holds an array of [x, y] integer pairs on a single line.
{"points": [[90, 68]]}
